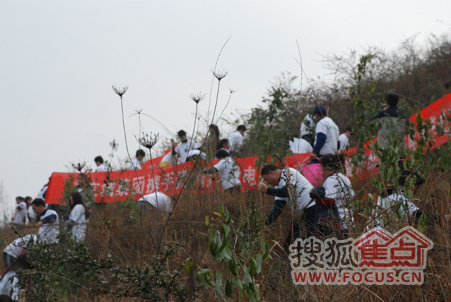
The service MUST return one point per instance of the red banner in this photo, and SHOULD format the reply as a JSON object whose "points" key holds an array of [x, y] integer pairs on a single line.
{"points": [[120, 185]]}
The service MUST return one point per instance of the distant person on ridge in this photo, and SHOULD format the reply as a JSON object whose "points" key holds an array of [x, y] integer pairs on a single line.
{"points": [[100, 165], [20, 214], [135, 164], [236, 138], [327, 134], [344, 138], [391, 125], [182, 149]]}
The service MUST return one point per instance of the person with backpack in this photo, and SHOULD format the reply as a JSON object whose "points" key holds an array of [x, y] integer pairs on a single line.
{"points": [[336, 191]]}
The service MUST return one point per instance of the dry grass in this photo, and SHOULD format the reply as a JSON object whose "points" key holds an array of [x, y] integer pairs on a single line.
{"points": [[131, 235]]}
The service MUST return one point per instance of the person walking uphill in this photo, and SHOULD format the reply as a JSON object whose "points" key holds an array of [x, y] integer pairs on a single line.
{"points": [[391, 125], [327, 134]]}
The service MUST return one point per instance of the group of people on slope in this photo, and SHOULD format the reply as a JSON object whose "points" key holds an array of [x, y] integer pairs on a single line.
{"points": [[15, 254]]}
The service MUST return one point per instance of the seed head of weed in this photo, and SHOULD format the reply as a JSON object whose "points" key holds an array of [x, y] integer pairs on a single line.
{"points": [[198, 97], [120, 91]]}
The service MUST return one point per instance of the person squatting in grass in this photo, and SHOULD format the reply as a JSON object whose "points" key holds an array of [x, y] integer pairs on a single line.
{"points": [[395, 210], [78, 217], [157, 200], [17, 247], [20, 215], [291, 187], [48, 222], [333, 198], [9, 279], [228, 171]]}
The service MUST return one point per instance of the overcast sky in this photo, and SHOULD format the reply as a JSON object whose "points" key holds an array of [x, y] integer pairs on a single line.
{"points": [[59, 59]]}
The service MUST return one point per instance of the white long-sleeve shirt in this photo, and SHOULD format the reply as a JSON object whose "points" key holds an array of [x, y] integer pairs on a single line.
{"points": [[6, 286], [339, 188], [78, 216], [235, 140]]}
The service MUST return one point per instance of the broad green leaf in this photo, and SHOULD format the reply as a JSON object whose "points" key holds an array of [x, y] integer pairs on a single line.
{"points": [[232, 268], [204, 271], [252, 267], [228, 289], [226, 229], [237, 283], [212, 247], [259, 263], [218, 283]]}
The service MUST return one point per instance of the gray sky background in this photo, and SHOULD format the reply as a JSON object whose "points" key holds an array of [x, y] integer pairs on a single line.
{"points": [[58, 60]]}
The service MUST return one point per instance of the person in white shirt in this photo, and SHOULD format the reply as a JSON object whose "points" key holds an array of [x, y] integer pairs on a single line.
{"points": [[182, 149], [228, 171], [307, 128], [48, 223], [158, 200], [292, 188], [344, 138], [43, 191], [11, 287], [236, 138], [338, 188], [327, 133], [20, 215], [78, 217], [30, 213], [394, 210], [100, 165], [300, 146], [15, 249], [135, 164]]}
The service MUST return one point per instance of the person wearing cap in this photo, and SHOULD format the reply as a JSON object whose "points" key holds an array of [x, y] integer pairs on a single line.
{"points": [[344, 138], [391, 125], [327, 134], [182, 150], [236, 138]]}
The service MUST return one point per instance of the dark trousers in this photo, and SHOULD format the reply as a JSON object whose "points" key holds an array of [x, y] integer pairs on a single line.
{"points": [[303, 227], [8, 259]]}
